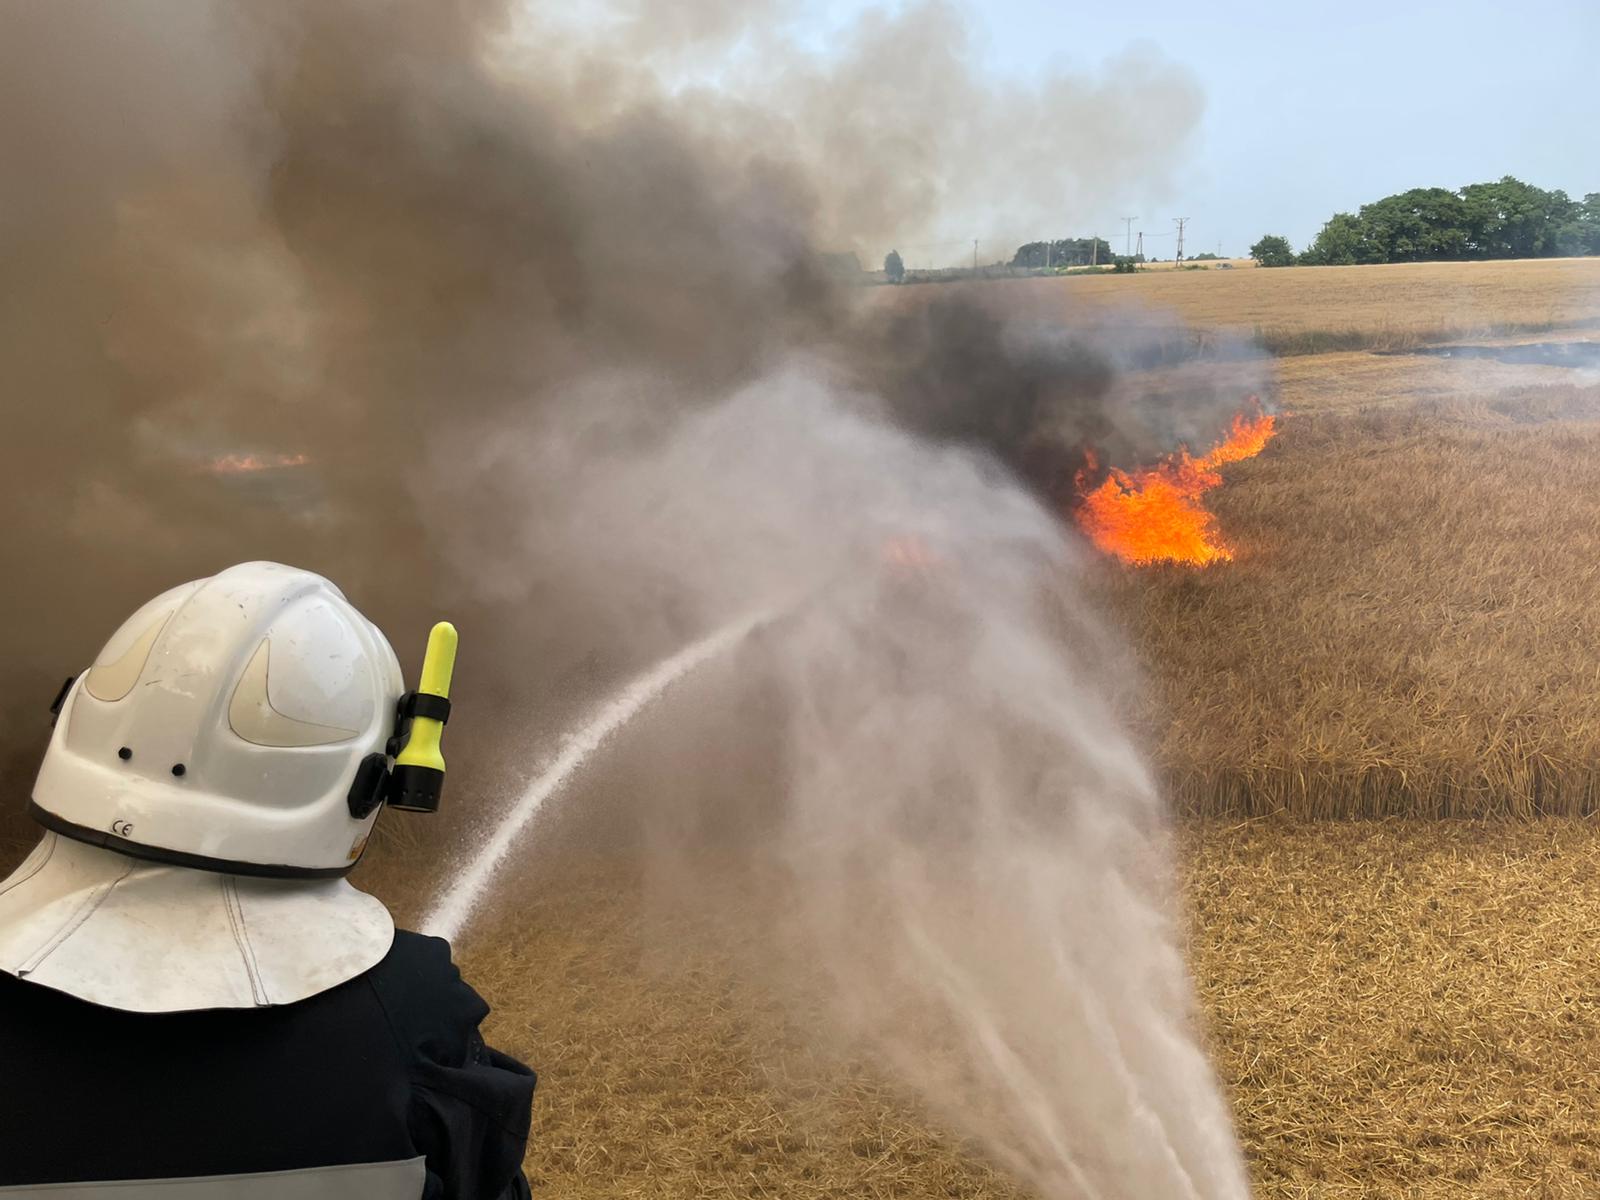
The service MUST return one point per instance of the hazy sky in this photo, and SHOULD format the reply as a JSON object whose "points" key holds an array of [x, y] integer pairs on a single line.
{"points": [[1316, 108]]}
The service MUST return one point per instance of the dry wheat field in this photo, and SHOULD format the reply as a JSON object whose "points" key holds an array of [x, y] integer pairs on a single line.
{"points": [[1411, 626], [1299, 310], [1396, 1006]]}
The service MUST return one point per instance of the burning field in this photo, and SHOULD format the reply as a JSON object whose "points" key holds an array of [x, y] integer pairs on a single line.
{"points": [[1410, 632], [1400, 1007], [488, 315], [1157, 514], [1395, 1007]]}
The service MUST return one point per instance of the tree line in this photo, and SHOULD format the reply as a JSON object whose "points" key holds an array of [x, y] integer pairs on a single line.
{"points": [[1064, 252], [1507, 219]]}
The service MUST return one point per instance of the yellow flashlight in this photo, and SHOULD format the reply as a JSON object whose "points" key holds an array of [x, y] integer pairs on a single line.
{"points": [[418, 777]]}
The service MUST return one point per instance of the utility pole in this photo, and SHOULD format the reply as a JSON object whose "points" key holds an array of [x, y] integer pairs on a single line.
{"points": [[974, 256], [1094, 251], [1127, 234], [1180, 222], [1138, 252]]}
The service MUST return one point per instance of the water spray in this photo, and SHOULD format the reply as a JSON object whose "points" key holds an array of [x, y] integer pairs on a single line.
{"points": [[456, 906]]}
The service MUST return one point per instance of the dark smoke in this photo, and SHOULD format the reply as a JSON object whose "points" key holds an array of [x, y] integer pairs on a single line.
{"points": [[528, 321], [395, 238], [1038, 393]]}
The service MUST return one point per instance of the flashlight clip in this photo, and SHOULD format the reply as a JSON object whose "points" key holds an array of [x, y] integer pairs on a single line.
{"points": [[411, 706]]}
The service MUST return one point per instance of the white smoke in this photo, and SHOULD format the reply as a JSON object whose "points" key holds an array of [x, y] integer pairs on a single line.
{"points": [[970, 854], [336, 230]]}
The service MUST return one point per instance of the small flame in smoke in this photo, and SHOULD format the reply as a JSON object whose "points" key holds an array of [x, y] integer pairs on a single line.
{"points": [[243, 464], [1155, 514], [908, 552]]}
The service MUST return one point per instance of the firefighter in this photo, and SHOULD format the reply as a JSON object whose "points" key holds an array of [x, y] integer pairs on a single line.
{"points": [[194, 1002]]}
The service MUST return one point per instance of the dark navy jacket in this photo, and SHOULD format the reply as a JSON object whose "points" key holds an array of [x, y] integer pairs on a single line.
{"points": [[385, 1068]]}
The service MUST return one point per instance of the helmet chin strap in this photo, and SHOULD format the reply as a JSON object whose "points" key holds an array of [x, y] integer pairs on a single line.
{"points": [[124, 840], [61, 699]]}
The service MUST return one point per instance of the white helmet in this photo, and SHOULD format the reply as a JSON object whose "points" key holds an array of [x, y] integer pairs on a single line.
{"points": [[223, 726], [240, 724]]}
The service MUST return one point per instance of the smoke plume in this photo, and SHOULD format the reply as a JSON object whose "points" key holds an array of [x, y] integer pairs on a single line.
{"points": [[361, 233], [527, 319], [942, 827]]}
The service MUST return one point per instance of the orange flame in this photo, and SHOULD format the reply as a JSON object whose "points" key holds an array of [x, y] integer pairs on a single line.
{"points": [[1155, 514], [240, 464], [909, 552]]}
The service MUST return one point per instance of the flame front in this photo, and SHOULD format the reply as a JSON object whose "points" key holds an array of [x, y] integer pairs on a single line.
{"points": [[245, 464], [1155, 514]]}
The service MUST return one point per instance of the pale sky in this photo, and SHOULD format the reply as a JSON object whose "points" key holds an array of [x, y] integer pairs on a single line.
{"points": [[1317, 108]]}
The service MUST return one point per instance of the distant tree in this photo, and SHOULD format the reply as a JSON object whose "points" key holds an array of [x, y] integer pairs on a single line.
{"points": [[1063, 252], [1205, 256], [1422, 225], [1589, 215], [1032, 255], [1273, 251], [893, 267], [1579, 234], [1512, 219], [1341, 243], [1504, 219]]}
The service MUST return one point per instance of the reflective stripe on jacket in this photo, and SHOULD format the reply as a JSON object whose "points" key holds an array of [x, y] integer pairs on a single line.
{"points": [[356, 1181]]}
